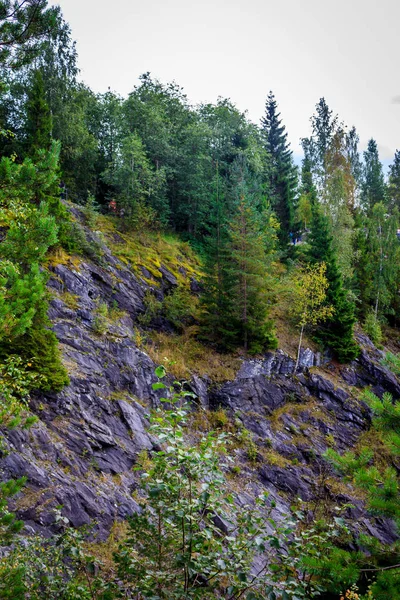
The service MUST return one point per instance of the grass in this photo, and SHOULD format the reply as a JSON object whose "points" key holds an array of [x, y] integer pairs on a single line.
{"points": [[312, 407], [104, 551], [183, 356]]}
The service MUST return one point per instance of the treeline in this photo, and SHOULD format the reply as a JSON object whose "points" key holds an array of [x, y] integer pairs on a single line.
{"points": [[219, 180]]}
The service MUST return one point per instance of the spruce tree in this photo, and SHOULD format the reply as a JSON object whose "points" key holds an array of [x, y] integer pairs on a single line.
{"points": [[282, 171], [337, 331], [249, 271], [394, 182], [373, 188], [38, 117], [237, 283], [217, 303]]}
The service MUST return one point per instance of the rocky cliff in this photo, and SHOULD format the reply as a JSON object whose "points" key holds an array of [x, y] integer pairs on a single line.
{"points": [[81, 452]]}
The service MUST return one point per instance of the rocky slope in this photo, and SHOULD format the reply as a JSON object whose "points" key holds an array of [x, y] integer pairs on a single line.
{"points": [[81, 453]]}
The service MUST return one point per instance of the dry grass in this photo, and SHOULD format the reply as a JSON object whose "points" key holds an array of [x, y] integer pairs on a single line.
{"points": [[184, 356], [273, 458], [295, 409], [103, 551]]}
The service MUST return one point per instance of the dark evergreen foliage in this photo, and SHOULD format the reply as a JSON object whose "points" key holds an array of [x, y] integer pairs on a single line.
{"points": [[394, 182], [38, 117], [337, 331], [373, 188], [281, 172]]}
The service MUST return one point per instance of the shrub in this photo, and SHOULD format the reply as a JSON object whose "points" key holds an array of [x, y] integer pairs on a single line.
{"points": [[153, 308], [373, 329], [180, 307]]}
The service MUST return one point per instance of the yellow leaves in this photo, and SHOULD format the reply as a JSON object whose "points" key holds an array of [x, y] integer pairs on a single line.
{"points": [[310, 286]]}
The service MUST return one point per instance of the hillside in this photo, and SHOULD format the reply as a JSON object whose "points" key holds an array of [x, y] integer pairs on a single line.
{"points": [[81, 453]]}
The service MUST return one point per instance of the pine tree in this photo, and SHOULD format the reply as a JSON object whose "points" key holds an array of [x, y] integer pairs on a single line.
{"points": [[218, 324], [237, 282], [394, 182], [249, 270], [373, 188], [38, 117], [337, 331], [282, 171]]}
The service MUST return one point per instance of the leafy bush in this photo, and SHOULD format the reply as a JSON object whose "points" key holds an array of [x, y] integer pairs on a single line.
{"points": [[153, 308], [373, 329], [180, 307], [191, 541]]}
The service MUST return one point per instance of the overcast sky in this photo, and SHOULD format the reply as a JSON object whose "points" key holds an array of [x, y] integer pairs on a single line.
{"points": [[344, 50]]}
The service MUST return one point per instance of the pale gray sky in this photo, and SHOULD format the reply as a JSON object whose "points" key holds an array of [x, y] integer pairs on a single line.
{"points": [[345, 50]]}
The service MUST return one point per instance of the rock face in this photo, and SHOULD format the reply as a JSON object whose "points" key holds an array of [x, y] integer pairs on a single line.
{"points": [[81, 453]]}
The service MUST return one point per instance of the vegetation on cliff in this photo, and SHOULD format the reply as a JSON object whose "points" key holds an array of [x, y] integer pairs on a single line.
{"points": [[213, 204]]}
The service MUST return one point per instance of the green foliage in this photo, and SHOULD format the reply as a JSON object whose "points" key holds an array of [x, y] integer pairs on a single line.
{"points": [[179, 307], [9, 524], [238, 285], [282, 173], [55, 568], [26, 204], [337, 330], [373, 185], [392, 362], [153, 308], [380, 483], [309, 299], [191, 540], [38, 117], [17, 379], [373, 328]]}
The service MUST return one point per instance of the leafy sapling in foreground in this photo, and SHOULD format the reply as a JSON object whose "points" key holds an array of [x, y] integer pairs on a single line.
{"points": [[191, 540]]}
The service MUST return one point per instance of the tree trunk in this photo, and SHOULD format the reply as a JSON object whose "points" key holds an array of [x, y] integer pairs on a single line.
{"points": [[298, 350]]}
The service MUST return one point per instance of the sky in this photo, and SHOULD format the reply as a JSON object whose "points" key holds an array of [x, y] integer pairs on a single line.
{"points": [[344, 50]]}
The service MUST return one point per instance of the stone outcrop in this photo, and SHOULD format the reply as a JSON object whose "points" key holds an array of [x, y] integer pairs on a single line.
{"points": [[81, 452]]}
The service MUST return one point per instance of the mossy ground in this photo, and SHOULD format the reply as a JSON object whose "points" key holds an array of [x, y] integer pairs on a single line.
{"points": [[183, 356], [148, 251]]}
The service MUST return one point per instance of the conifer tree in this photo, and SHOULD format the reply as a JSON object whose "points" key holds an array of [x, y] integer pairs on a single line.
{"points": [[237, 283], [394, 182], [249, 271], [337, 331], [282, 171], [373, 188], [217, 303], [38, 117]]}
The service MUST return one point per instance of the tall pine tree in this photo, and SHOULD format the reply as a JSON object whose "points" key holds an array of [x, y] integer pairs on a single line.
{"points": [[282, 171], [373, 189], [337, 331], [394, 182]]}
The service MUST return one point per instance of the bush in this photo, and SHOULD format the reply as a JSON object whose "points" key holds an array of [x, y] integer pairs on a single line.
{"points": [[153, 308], [180, 307], [373, 329]]}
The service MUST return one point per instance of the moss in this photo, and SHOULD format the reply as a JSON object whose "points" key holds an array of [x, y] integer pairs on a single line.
{"points": [[58, 256], [272, 457], [151, 251], [70, 300]]}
